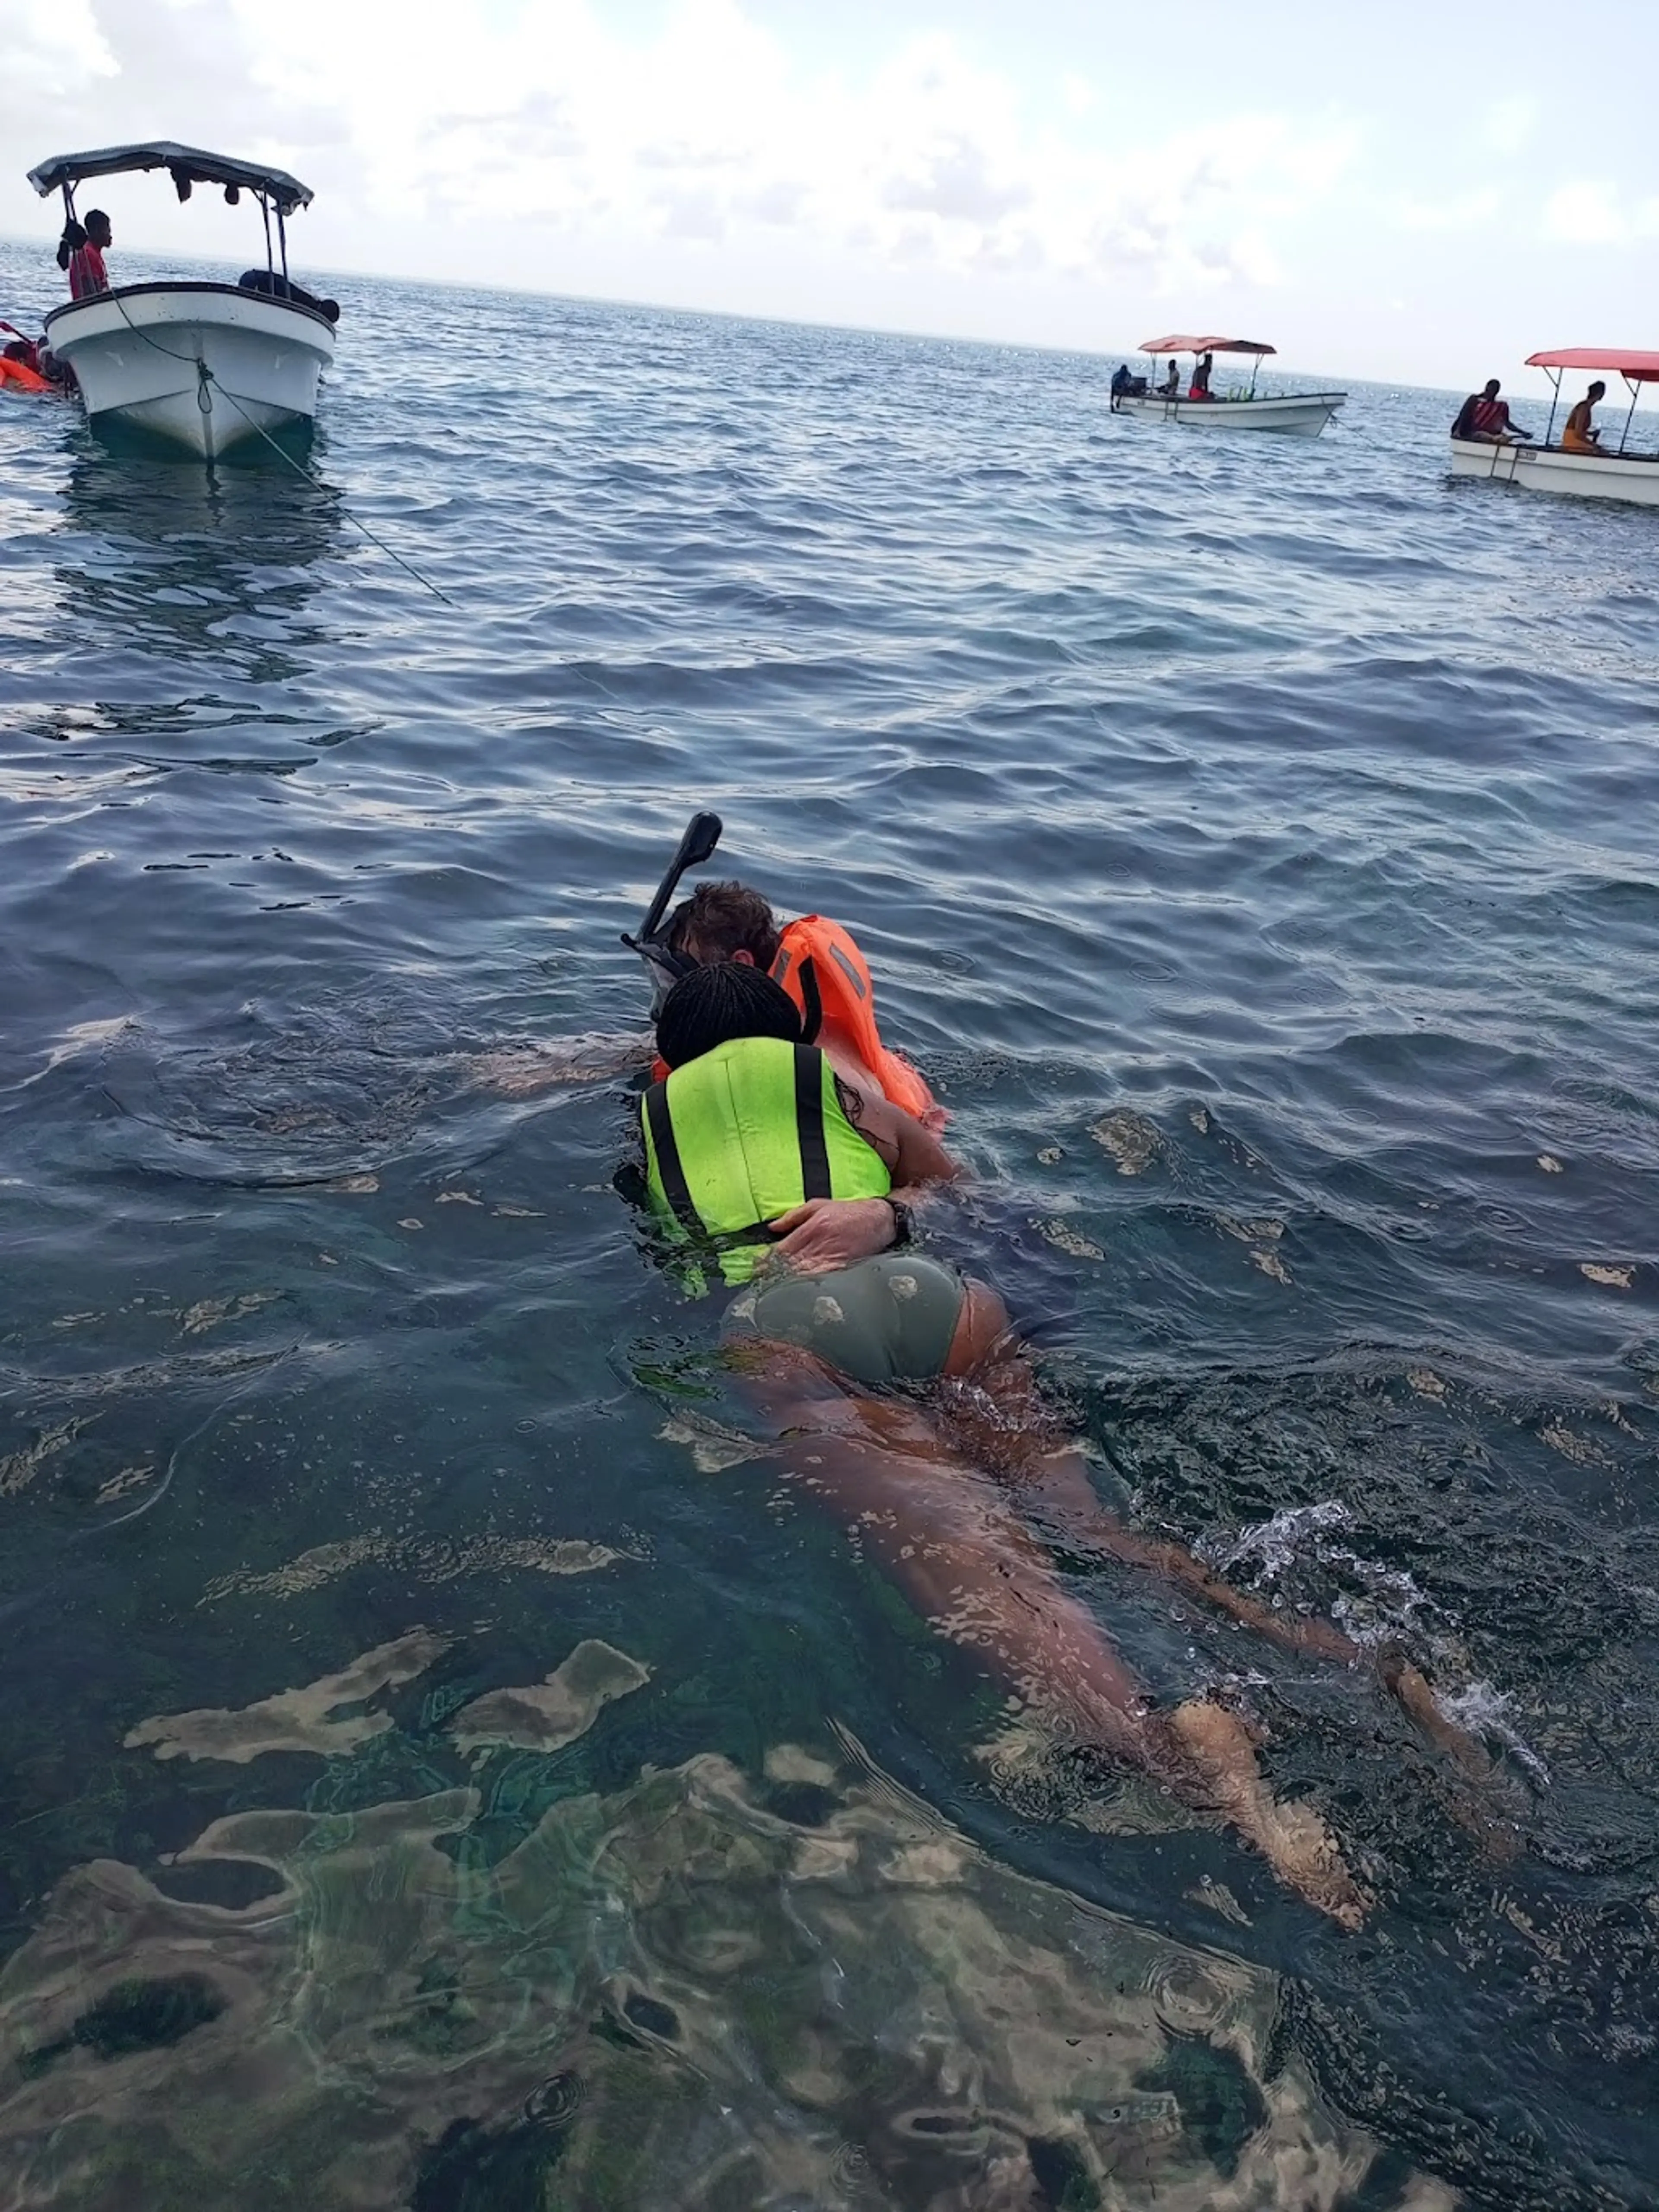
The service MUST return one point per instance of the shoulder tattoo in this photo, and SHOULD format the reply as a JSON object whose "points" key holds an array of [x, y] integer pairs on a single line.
{"points": [[850, 1100]]}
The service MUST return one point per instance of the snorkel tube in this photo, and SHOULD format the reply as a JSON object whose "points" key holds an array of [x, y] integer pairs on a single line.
{"points": [[662, 964]]}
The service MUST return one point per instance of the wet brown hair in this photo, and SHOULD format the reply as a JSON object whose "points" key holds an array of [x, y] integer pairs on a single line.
{"points": [[721, 919]]}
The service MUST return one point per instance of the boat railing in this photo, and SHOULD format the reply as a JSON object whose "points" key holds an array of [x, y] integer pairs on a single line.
{"points": [[174, 285]]}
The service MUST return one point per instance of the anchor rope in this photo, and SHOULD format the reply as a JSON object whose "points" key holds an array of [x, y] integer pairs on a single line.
{"points": [[204, 377]]}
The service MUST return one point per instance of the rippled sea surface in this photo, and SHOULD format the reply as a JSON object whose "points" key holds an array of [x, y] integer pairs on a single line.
{"points": [[444, 1762]]}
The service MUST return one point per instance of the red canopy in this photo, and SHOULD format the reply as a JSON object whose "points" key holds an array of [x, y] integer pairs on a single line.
{"points": [[1183, 344], [1640, 367]]}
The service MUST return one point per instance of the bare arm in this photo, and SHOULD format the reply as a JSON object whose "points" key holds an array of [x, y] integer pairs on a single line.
{"points": [[521, 1070], [913, 1156], [834, 1232]]}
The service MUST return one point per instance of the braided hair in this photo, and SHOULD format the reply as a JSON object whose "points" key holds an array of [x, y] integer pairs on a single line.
{"points": [[712, 1006]]}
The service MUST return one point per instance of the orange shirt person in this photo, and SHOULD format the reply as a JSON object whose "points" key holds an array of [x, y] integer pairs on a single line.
{"points": [[1579, 435], [81, 252]]}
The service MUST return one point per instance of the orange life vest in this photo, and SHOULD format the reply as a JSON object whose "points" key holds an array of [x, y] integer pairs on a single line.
{"points": [[19, 374], [826, 974], [820, 966]]}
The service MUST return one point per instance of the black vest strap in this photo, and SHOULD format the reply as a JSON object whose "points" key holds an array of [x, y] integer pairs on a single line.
{"points": [[809, 1120], [812, 1001], [670, 1169]]}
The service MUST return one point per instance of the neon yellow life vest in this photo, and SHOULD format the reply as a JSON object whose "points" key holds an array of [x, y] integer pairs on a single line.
{"points": [[742, 1133]]}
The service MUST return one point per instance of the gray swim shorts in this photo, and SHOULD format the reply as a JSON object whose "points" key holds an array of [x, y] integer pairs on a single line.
{"points": [[888, 1319]]}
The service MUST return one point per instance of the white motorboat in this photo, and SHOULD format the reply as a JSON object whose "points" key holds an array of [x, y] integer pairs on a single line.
{"points": [[1603, 473], [201, 365], [1294, 414]]}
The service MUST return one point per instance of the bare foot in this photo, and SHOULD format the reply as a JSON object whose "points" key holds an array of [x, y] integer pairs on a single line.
{"points": [[1291, 1837], [1303, 1851], [1412, 1689]]}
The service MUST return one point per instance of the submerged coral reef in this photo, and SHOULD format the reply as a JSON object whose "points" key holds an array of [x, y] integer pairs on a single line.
{"points": [[704, 1988]]}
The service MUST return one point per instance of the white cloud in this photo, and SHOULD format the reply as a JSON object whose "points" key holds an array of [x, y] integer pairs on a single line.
{"points": [[701, 127], [51, 45], [1510, 124], [1463, 211], [1592, 212]]}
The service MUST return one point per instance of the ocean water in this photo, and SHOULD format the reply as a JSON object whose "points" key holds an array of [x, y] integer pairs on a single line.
{"points": [[444, 1761]]}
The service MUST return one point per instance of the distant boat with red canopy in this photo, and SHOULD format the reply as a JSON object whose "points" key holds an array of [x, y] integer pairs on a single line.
{"points": [[1299, 414], [1609, 470]]}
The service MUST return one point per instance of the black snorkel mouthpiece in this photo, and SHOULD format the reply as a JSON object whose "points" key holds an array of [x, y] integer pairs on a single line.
{"points": [[662, 964]]}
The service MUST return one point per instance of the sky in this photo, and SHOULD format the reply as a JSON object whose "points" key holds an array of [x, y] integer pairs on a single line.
{"points": [[1405, 192]]}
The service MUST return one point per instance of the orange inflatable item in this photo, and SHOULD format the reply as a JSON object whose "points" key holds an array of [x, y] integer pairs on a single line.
{"points": [[21, 376], [824, 973]]}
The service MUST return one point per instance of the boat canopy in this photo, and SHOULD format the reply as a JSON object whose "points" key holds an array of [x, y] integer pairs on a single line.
{"points": [[1639, 367], [1184, 344], [189, 166]]}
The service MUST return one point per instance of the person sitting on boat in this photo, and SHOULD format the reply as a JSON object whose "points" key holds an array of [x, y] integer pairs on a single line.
{"points": [[80, 251], [1579, 435], [1170, 387], [1126, 384], [940, 1486], [284, 288], [1200, 384], [1484, 419]]}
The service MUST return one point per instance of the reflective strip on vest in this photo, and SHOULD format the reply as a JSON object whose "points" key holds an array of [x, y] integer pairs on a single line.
{"points": [[849, 971], [741, 1134]]}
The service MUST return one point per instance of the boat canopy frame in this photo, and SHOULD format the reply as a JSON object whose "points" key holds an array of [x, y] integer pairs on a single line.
{"points": [[1180, 342], [274, 189], [1636, 368]]}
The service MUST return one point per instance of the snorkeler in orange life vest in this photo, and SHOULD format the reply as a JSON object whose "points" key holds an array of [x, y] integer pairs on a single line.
{"points": [[815, 959], [819, 965]]}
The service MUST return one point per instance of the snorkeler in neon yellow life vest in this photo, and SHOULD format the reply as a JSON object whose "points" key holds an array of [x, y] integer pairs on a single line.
{"points": [[753, 1135], [747, 1127], [749, 1120]]}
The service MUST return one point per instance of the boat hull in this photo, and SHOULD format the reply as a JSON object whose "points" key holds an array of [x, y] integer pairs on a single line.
{"points": [[204, 366], [1294, 414], [1546, 468]]}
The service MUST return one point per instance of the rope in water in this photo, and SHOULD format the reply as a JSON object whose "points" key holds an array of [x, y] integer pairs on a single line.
{"points": [[204, 377]]}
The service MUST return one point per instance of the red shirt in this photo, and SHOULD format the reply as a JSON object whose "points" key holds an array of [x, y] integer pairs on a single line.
{"points": [[86, 274]]}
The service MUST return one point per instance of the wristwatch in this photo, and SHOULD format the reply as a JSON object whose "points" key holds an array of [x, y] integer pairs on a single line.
{"points": [[903, 1224]]}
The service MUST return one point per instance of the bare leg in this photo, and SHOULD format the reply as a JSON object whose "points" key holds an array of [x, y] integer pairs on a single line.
{"points": [[1291, 1836], [996, 1411], [952, 1541]]}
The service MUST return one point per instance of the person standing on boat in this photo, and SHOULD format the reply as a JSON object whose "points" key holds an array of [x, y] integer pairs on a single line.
{"points": [[1580, 435], [1484, 418], [80, 251], [1200, 384]]}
